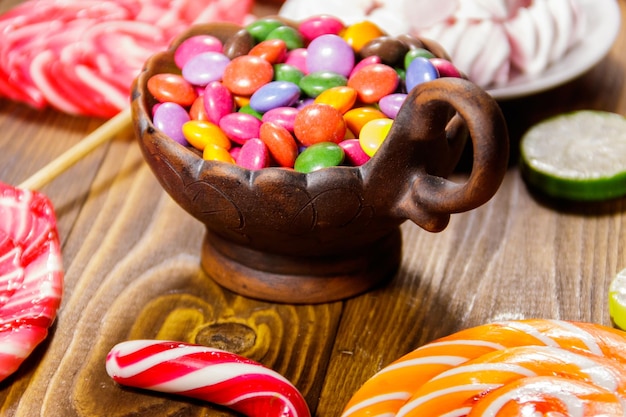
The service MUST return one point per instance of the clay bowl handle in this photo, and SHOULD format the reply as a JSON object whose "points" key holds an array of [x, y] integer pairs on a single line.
{"points": [[424, 146]]}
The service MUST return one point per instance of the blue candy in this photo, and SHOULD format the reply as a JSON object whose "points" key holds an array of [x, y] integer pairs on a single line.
{"points": [[420, 71], [275, 94]]}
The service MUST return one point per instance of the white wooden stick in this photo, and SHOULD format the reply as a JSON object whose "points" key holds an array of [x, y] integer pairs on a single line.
{"points": [[99, 136]]}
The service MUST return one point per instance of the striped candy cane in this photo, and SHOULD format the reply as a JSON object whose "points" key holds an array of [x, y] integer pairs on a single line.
{"points": [[207, 374]]}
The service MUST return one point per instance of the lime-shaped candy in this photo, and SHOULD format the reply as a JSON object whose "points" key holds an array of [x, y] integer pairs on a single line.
{"points": [[617, 300], [578, 156]]}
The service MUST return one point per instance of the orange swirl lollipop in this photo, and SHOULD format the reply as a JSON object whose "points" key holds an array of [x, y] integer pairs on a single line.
{"points": [[454, 374]]}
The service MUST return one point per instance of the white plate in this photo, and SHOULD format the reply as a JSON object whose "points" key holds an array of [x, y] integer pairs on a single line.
{"points": [[603, 24]]}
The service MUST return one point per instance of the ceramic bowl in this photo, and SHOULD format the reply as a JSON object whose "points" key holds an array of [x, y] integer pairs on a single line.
{"points": [[283, 236]]}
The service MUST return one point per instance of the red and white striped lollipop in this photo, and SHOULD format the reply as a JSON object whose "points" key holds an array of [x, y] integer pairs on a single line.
{"points": [[31, 274], [209, 374]]}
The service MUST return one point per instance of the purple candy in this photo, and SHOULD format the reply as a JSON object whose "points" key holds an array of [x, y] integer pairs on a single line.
{"points": [[169, 118], [354, 153], [203, 68], [253, 155], [194, 46], [274, 94], [240, 127], [218, 101], [390, 104], [420, 71], [330, 53]]}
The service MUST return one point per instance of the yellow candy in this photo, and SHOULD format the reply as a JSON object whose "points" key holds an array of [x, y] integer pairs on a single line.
{"points": [[357, 118], [373, 135], [199, 133], [358, 34], [342, 98], [213, 152]]}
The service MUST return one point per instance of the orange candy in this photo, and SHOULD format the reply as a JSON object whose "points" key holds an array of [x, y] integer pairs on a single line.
{"points": [[317, 123], [172, 88], [341, 97], [359, 116]]}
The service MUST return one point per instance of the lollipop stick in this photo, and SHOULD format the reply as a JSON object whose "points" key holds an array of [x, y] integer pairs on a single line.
{"points": [[102, 134]]}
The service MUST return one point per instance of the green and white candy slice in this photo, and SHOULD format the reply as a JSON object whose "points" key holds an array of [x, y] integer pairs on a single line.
{"points": [[617, 299], [577, 156]]}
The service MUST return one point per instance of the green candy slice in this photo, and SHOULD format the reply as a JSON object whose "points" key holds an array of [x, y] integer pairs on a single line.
{"points": [[577, 156]]}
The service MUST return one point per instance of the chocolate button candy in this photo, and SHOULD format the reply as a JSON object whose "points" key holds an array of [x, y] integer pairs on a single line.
{"points": [[390, 50]]}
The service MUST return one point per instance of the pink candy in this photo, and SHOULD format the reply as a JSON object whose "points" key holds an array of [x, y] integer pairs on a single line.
{"points": [[205, 373]]}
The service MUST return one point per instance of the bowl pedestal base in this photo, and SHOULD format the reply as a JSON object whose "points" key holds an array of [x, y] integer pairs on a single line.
{"points": [[300, 279]]}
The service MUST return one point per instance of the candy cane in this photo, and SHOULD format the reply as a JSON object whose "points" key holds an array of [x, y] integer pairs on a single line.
{"points": [[207, 374], [453, 374]]}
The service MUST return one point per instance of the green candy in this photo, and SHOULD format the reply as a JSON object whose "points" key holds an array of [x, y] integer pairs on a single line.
{"points": [[316, 83], [249, 110], [416, 53], [318, 156], [292, 38], [286, 72], [259, 29]]}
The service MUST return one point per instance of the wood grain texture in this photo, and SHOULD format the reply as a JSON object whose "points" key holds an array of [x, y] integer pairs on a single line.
{"points": [[132, 271]]}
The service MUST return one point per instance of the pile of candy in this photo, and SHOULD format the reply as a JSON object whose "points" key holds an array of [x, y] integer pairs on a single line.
{"points": [[31, 274], [81, 56], [513, 368], [321, 95], [490, 41]]}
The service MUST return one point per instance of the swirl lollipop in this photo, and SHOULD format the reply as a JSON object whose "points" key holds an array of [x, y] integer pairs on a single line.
{"points": [[569, 368]]}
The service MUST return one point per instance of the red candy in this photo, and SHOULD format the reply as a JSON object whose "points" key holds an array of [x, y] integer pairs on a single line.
{"points": [[246, 74], [271, 50], [317, 123], [281, 144], [373, 82]]}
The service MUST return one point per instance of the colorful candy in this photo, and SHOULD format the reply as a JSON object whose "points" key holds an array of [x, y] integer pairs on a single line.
{"points": [[208, 374], [31, 274], [294, 88], [499, 369]]}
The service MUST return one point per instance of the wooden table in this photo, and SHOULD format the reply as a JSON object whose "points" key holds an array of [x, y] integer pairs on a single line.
{"points": [[131, 257]]}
